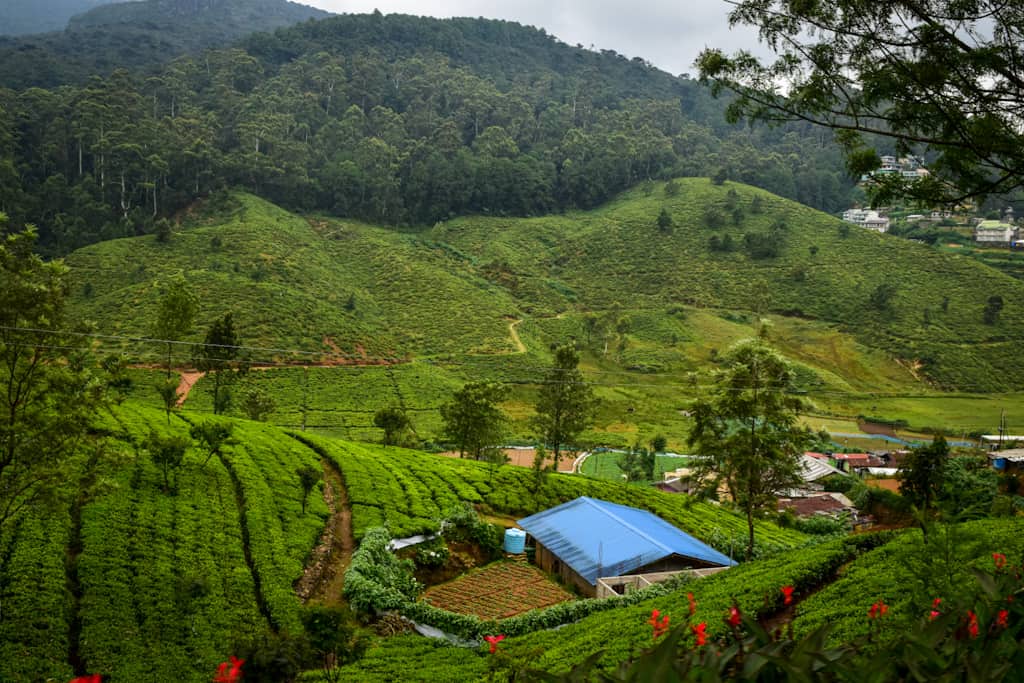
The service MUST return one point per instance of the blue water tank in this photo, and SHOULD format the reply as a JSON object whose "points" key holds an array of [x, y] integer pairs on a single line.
{"points": [[515, 541]]}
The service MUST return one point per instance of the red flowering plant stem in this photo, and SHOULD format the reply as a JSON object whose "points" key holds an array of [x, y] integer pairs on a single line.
{"points": [[787, 595], [693, 603], [493, 641], [999, 559], [972, 624], [700, 634], [91, 678], [230, 671], [659, 624]]}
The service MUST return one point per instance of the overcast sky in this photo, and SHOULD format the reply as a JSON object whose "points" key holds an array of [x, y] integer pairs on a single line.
{"points": [[667, 33]]}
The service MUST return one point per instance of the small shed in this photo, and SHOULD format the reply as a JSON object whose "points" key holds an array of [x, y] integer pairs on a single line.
{"points": [[587, 539], [1011, 460]]}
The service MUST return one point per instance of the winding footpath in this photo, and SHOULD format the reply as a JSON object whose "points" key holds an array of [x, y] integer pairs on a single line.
{"points": [[324, 576]]}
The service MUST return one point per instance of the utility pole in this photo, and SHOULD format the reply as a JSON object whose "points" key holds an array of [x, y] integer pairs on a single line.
{"points": [[305, 387]]}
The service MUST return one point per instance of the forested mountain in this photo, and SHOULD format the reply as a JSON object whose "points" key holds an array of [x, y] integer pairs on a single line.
{"points": [[19, 17], [396, 120], [139, 36]]}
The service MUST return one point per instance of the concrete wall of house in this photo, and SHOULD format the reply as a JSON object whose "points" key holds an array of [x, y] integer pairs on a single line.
{"points": [[549, 562]]}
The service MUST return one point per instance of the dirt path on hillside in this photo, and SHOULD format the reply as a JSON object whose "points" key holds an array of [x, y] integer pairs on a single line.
{"points": [[188, 380], [520, 346], [324, 576]]}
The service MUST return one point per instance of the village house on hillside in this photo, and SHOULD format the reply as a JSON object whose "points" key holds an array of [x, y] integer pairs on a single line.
{"points": [[995, 233], [603, 548], [866, 218]]}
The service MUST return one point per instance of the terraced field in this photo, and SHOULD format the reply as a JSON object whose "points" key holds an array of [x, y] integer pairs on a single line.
{"points": [[498, 591]]}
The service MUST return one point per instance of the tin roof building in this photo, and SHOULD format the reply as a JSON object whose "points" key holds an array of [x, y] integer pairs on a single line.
{"points": [[587, 539]]}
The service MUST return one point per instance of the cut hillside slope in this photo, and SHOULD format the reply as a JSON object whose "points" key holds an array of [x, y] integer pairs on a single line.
{"points": [[616, 258], [451, 290]]}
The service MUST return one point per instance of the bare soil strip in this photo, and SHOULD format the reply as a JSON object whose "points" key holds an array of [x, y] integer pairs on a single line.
{"points": [[324, 575], [520, 346], [188, 380]]}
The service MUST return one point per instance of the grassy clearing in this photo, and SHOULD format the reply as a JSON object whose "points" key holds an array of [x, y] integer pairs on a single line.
{"points": [[606, 466]]}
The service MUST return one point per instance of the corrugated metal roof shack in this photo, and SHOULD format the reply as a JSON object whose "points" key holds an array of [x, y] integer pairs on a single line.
{"points": [[587, 539]]}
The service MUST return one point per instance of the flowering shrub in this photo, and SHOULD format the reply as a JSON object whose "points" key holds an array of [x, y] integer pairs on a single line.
{"points": [[432, 554], [976, 638], [493, 642], [230, 671], [658, 626], [376, 580]]}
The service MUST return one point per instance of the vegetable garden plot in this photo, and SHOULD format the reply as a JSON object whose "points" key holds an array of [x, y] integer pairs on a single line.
{"points": [[498, 591]]}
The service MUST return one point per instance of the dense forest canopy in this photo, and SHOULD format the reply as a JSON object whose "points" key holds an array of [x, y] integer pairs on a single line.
{"points": [[392, 119]]}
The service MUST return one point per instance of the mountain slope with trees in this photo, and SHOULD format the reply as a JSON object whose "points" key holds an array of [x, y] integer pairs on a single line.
{"points": [[20, 17], [139, 36], [394, 120]]}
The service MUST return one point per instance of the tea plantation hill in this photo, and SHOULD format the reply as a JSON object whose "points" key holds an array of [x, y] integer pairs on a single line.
{"points": [[449, 298], [143, 582]]}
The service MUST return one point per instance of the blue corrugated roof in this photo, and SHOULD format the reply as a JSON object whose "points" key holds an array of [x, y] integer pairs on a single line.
{"points": [[597, 538]]}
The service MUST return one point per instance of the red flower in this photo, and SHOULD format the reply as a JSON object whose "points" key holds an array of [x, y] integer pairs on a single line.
{"points": [[700, 632], [787, 595], [660, 626], [693, 603], [229, 672], [972, 624], [877, 610], [934, 615], [1000, 560], [936, 602], [494, 640], [1001, 618], [734, 616], [91, 678]]}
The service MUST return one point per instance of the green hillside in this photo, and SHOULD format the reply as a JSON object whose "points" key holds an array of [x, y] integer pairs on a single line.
{"points": [[652, 310], [161, 584], [856, 572]]}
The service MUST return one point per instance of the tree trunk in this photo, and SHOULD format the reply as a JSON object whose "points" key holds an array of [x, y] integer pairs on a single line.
{"points": [[750, 530]]}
